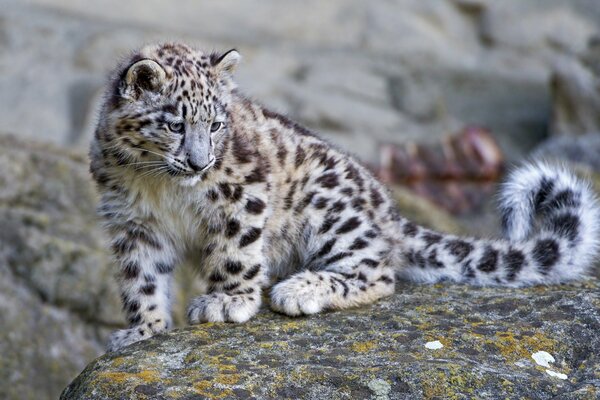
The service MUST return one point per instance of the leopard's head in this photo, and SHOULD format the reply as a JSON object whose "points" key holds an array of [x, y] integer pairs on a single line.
{"points": [[166, 112]]}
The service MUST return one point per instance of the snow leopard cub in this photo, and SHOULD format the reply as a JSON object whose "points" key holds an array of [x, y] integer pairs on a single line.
{"points": [[190, 170]]}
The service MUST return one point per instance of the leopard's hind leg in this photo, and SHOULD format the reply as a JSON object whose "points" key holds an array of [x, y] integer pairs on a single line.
{"points": [[310, 292]]}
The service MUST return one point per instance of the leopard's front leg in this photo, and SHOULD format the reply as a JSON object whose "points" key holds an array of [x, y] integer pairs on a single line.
{"points": [[146, 262], [234, 269]]}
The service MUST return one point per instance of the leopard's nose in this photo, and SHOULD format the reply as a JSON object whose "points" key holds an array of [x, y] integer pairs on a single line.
{"points": [[193, 165]]}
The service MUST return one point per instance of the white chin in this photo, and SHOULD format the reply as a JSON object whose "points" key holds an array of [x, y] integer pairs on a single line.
{"points": [[190, 181]]}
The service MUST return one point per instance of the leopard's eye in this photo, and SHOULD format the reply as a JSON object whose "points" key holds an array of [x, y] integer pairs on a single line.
{"points": [[177, 127], [216, 126]]}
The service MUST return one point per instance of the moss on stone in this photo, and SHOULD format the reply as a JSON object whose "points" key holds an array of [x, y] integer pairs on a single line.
{"points": [[488, 335]]}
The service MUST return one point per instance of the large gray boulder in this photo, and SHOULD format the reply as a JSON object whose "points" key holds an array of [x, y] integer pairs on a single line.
{"points": [[383, 351], [56, 293]]}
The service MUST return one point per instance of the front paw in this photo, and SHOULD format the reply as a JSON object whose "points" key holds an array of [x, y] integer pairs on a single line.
{"points": [[125, 337], [221, 307]]}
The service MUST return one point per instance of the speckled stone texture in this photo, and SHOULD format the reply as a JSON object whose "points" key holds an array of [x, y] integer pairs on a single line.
{"points": [[374, 352]]}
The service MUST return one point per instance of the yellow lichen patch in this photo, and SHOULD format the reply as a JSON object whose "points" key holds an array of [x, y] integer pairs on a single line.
{"points": [[145, 376], [201, 333], [515, 348], [206, 388], [270, 345], [117, 362], [292, 325], [451, 384], [226, 367], [227, 379], [363, 347]]}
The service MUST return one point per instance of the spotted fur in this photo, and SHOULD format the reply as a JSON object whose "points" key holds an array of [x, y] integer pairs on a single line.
{"points": [[191, 171]]}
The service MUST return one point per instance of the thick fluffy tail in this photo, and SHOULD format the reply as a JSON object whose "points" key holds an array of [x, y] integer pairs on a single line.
{"points": [[551, 221]]}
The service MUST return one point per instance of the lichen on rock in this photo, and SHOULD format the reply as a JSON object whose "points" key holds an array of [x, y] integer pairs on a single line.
{"points": [[375, 351]]}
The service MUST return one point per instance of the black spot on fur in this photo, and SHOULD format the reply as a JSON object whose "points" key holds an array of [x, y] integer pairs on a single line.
{"points": [[376, 198], [163, 268], [255, 206], [433, 262], [370, 262], [326, 248], [338, 206], [431, 238], [459, 248], [233, 267], [566, 225], [300, 156], [321, 203], [209, 249], [232, 228], [241, 148], [564, 198], [358, 203], [212, 195], [349, 225], [257, 175], [225, 189], [353, 174], [328, 223], [238, 190], [371, 233], [489, 260], [416, 258], [337, 257], [148, 289], [347, 191], [546, 253], [289, 198], [409, 229], [132, 306], [216, 276], [546, 187], [358, 244], [386, 279], [134, 319], [328, 180], [250, 236], [514, 261], [131, 270], [252, 272]]}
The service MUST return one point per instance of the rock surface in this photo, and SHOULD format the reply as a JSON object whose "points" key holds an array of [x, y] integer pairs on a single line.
{"points": [[56, 293], [576, 93], [378, 352]]}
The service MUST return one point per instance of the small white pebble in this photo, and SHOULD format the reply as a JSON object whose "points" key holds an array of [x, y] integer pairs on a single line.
{"points": [[543, 358], [434, 345], [556, 374]]}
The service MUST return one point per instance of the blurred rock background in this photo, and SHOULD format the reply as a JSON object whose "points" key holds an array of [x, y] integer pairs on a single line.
{"points": [[361, 73]]}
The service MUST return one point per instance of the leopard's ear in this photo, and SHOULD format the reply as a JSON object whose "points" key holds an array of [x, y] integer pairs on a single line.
{"points": [[143, 75], [226, 62]]}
